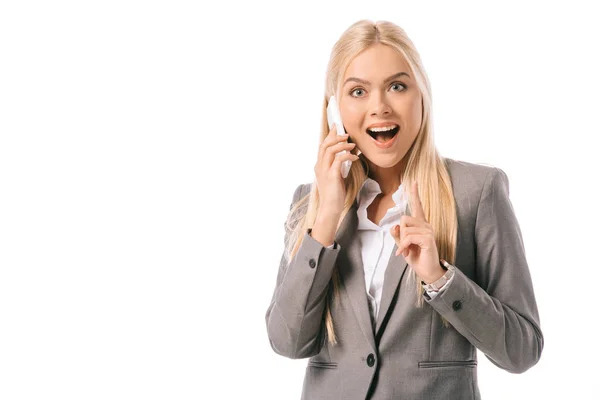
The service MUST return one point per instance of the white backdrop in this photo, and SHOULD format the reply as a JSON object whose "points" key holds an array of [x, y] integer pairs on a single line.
{"points": [[148, 156]]}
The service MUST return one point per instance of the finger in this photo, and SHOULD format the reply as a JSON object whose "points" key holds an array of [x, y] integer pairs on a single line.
{"points": [[411, 239], [332, 153], [333, 138], [424, 241], [414, 229], [336, 148], [423, 233], [400, 235], [330, 140], [339, 159], [398, 232], [407, 220], [402, 245], [415, 202], [327, 141], [405, 244], [405, 252]]}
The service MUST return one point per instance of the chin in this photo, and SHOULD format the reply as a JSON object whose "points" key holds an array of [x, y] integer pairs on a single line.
{"points": [[384, 160]]}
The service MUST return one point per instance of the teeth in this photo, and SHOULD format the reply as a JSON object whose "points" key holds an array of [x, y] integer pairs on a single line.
{"points": [[383, 128]]}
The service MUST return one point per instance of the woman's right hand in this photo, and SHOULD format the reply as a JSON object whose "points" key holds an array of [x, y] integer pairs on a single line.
{"points": [[328, 172]]}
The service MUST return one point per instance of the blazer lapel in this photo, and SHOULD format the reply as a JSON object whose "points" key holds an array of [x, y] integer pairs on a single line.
{"points": [[352, 273], [394, 272], [393, 275]]}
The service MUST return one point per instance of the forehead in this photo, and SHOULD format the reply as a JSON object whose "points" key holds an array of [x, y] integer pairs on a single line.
{"points": [[376, 63]]}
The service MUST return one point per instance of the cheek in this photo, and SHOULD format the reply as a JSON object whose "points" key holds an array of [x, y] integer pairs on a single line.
{"points": [[411, 112], [352, 120], [416, 110]]}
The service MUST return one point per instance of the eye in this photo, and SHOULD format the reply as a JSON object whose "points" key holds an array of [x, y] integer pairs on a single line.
{"points": [[399, 84], [354, 90]]}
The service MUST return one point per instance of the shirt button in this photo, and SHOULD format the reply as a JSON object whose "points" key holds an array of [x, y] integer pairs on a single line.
{"points": [[370, 360], [457, 304], [312, 263]]}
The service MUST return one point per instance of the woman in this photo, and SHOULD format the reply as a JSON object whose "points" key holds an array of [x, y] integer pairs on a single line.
{"points": [[392, 277]]}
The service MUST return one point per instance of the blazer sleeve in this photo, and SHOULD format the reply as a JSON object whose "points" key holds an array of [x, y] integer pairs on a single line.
{"points": [[498, 314], [295, 316]]}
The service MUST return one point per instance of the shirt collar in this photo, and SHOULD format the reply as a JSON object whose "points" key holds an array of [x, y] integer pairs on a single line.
{"points": [[367, 193], [370, 189]]}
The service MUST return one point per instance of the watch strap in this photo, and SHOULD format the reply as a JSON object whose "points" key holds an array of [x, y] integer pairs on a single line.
{"points": [[438, 284]]}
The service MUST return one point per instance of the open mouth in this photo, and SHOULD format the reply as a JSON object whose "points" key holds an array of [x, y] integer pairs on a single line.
{"points": [[384, 136]]}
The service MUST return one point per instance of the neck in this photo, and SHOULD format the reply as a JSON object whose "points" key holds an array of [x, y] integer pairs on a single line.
{"points": [[389, 179]]}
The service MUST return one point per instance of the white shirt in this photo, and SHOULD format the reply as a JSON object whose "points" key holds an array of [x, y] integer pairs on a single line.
{"points": [[377, 242]]}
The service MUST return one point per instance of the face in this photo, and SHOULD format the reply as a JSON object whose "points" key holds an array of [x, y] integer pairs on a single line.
{"points": [[375, 93]]}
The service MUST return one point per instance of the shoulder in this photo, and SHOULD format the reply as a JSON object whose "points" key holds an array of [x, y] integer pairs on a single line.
{"points": [[459, 169], [476, 186], [471, 178]]}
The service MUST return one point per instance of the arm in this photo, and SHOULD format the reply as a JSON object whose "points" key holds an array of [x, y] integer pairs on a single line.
{"points": [[498, 314], [295, 316]]}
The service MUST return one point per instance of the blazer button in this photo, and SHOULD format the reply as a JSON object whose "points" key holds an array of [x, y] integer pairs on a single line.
{"points": [[370, 360], [457, 304], [312, 263]]}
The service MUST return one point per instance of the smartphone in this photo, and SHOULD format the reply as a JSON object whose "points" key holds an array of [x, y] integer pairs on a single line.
{"points": [[334, 117]]}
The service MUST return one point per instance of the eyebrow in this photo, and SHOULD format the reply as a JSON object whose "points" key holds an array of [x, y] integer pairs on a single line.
{"points": [[399, 74]]}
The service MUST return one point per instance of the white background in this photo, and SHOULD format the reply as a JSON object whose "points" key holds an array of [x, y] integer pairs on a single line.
{"points": [[148, 156]]}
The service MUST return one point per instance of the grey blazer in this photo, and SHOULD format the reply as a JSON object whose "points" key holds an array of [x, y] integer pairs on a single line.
{"points": [[409, 354]]}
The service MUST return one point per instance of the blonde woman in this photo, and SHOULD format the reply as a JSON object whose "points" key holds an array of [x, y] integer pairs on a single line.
{"points": [[392, 277]]}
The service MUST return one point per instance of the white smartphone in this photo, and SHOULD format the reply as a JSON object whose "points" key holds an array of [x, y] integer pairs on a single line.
{"points": [[334, 117]]}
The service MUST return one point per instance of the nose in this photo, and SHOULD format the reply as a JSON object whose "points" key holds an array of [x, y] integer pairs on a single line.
{"points": [[379, 105]]}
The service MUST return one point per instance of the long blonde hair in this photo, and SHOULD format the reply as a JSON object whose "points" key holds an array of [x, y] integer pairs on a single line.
{"points": [[424, 163]]}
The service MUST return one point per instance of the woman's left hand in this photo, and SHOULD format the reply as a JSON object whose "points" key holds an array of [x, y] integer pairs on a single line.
{"points": [[415, 239]]}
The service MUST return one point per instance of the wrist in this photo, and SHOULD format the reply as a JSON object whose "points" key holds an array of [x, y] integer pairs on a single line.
{"points": [[323, 231], [434, 276], [438, 284], [326, 223], [327, 217]]}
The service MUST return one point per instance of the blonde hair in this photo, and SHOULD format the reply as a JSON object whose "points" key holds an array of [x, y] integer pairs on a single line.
{"points": [[424, 163]]}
